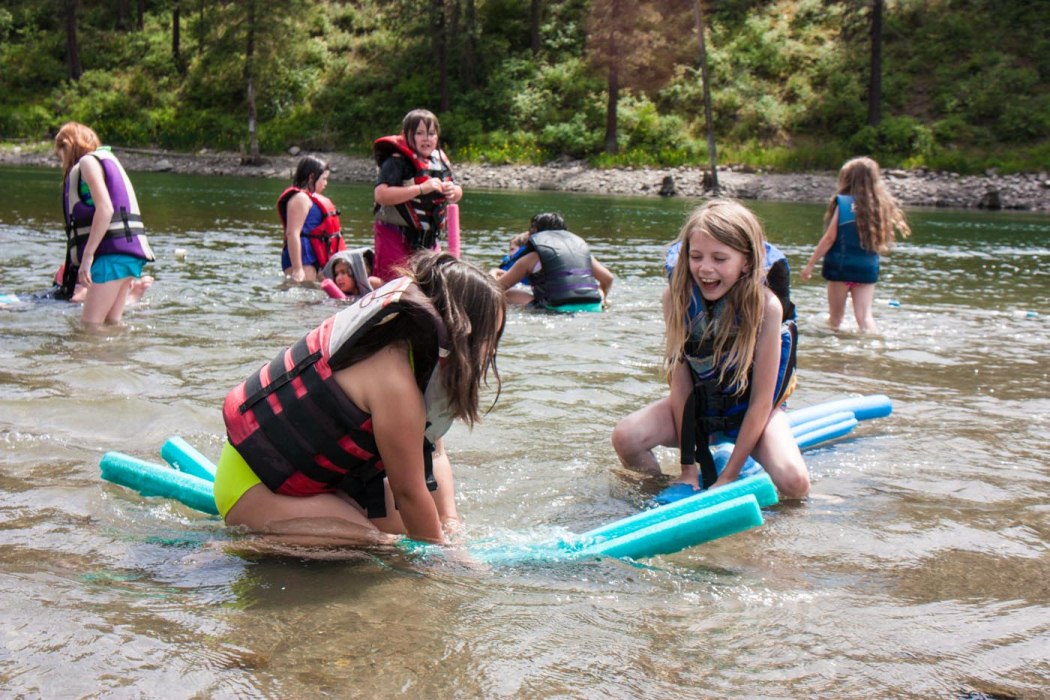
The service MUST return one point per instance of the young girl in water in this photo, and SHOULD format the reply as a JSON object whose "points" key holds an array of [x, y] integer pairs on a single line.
{"points": [[730, 366], [859, 225], [106, 246], [413, 190], [338, 439]]}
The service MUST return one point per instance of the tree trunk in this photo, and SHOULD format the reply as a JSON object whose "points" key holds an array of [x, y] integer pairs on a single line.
{"points": [[698, 15], [534, 27], [470, 57], [440, 38], [252, 158], [72, 47], [176, 38], [140, 16], [875, 84], [611, 109]]}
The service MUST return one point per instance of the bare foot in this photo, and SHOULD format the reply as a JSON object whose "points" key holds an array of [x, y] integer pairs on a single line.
{"points": [[138, 288]]}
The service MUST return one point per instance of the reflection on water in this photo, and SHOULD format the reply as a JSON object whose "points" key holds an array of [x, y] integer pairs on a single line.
{"points": [[918, 567]]}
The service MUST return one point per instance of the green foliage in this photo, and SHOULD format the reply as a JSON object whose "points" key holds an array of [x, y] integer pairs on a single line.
{"points": [[965, 84], [894, 140]]}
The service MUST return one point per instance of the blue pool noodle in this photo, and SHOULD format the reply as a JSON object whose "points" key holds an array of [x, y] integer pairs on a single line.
{"points": [[862, 408], [181, 455], [707, 524], [760, 486], [155, 480]]}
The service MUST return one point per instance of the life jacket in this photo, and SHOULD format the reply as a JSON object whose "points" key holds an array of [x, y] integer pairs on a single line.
{"points": [[847, 260], [299, 431], [326, 238], [421, 219], [125, 234], [713, 405], [361, 262], [565, 275]]}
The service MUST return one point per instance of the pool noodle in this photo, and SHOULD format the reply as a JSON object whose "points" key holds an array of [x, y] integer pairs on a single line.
{"points": [[810, 426], [758, 486], [331, 289], [182, 456], [826, 433], [862, 408], [666, 536], [452, 223], [155, 480]]}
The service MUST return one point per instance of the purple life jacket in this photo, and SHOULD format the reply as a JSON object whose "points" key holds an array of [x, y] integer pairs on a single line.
{"points": [[125, 235]]}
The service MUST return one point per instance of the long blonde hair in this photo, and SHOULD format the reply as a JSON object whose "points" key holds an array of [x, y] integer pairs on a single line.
{"points": [[72, 142], [878, 215], [735, 333]]}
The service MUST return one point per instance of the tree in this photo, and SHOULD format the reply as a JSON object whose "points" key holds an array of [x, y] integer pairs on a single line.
{"points": [[634, 43], [253, 157], [875, 81], [534, 27], [72, 47], [709, 127]]}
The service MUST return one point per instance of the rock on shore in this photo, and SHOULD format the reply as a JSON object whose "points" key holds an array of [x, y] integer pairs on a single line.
{"points": [[1030, 191]]}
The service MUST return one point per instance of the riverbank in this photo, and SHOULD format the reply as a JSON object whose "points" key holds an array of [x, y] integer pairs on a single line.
{"points": [[1030, 191]]}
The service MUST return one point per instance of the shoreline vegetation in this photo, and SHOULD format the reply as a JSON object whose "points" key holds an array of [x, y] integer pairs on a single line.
{"points": [[913, 188]]}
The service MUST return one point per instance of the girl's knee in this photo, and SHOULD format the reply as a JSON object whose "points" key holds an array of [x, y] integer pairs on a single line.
{"points": [[793, 483]]}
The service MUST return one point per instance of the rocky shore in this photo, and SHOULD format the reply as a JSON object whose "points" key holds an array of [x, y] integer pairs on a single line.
{"points": [[1030, 191]]}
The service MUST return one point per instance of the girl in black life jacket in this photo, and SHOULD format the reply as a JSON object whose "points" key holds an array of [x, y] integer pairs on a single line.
{"points": [[338, 440]]}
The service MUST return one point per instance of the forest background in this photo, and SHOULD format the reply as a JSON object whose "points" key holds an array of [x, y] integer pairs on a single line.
{"points": [[791, 85]]}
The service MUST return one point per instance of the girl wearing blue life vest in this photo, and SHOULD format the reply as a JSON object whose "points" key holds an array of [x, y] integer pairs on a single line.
{"points": [[725, 359], [859, 226], [106, 245]]}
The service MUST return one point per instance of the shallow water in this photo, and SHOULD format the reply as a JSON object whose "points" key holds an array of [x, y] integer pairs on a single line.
{"points": [[917, 568]]}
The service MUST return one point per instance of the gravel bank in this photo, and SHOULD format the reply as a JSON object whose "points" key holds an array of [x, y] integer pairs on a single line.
{"points": [[1030, 191]]}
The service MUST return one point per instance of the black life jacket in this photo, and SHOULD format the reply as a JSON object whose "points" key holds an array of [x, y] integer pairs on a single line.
{"points": [[565, 275]]}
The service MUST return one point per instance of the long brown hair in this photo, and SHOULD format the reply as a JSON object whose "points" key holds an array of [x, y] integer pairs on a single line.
{"points": [[877, 213], [736, 332], [72, 142], [473, 308]]}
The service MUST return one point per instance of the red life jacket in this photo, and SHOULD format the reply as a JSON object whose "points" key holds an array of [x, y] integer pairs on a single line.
{"points": [[421, 218], [296, 427], [326, 239]]}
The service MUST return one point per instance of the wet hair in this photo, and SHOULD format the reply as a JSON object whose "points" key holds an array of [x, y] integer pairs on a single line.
{"points": [[412, 121], [72, 142], [547, 221], [308, 172], [877, 214], [736, 332], [470, 305], [473, 308]]}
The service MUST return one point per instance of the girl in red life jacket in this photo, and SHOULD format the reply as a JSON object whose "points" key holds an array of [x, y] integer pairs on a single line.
{"points": [[311, 222], [414, 187], [332, 437]]}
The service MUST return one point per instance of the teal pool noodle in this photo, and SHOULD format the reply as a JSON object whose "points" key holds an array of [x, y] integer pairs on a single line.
{"points": [[862, 408], [155, 480], [720, 520], [760, 486], [686, 530], [828, 432], [181, 455]]}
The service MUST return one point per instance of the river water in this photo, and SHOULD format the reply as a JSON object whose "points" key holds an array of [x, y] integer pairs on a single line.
{"points": [[918, 567]]}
